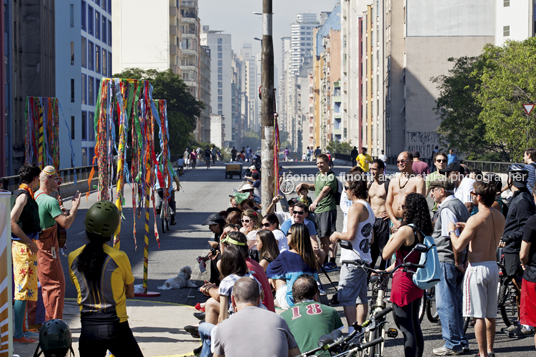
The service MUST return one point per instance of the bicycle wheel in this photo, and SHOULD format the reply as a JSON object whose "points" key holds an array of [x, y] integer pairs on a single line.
{"points": [[163, 218], [287, 187], [431, 309], [423, 305], [509, 308]]}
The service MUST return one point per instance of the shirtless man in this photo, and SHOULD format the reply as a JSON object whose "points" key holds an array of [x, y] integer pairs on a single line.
{"points": [[377, 194], [403, 184], [480, 233]]}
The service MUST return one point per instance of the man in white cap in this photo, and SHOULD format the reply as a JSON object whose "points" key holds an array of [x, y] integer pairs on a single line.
{"points": [[50, 271]]}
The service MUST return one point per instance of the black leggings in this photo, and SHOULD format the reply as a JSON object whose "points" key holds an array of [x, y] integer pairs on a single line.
{"points": [[407, 319], [116, 337]]}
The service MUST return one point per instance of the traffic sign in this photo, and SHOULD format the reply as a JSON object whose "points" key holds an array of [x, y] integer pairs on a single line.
{"points": [[528, 108]]}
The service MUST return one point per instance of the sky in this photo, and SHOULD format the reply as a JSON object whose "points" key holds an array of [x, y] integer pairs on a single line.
{"points": [[236, 17]]}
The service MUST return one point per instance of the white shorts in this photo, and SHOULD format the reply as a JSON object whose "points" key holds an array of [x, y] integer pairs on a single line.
{"points": [[480, 290], [281, 297]]}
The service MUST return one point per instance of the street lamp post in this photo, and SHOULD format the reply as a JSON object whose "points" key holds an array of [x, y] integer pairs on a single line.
{"points": [[267, 107]]}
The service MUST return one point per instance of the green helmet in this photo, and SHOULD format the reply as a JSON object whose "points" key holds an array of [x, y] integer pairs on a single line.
{"points": [[55, 336], [102, 219]]}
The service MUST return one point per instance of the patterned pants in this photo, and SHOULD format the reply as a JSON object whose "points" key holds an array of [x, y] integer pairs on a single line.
{"points": [[24, 271]]}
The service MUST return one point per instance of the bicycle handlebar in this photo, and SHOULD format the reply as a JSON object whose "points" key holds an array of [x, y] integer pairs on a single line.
{"points": [[371, 343], [383, 312]]}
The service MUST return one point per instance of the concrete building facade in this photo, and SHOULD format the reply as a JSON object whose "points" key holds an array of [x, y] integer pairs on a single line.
{"points": [[514, 20], [217, 128], [250, 86], [83, 58], [205, 88], [301, 39], [138, 47], [221, 75]]}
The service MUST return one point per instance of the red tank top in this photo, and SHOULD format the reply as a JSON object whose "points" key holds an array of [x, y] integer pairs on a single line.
{"points": [[403, 290]]}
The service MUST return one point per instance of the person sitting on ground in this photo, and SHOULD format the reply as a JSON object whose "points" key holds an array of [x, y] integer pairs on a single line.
{"points": [[98, 270], [251, 223], [247, 188], [267, 247], [233, 266], [246, 204], [267, 332], [289, 265], [271, 222], [215, 223], [281, 215], [405, 295], [308, 320], [234, 217], [233, 202]]}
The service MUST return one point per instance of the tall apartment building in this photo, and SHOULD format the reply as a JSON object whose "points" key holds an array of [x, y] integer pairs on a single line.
{"points": [[153, 44], [205, 88], [83, 58], [514, 20], [238, 111], [29, 69], [305, 122], [301, 39], [251, 86], [283, 82], [221, 75]]}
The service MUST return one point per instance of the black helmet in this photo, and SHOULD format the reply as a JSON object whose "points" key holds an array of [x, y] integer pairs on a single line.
{"points": [[518, 175], [102, 219], [495, 180], [54, 339]]}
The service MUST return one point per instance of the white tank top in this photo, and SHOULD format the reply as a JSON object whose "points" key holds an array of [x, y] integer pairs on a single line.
{"points": [[362, 239]]}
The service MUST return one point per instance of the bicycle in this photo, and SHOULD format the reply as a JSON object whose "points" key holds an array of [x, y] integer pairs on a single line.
{"points": [[287, 185], [428, 306], [351, 345], [165, 210], [380, 282]]}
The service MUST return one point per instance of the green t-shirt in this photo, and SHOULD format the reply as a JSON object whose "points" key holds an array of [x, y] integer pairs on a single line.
{"points": [[49, 208], [328, 203], [308, 321]]}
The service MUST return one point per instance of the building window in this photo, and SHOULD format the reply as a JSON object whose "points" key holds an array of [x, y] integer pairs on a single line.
{"points": [[220, 63], [220, 48], [220, 99], [84, 125], [97, 87], [104, 28], [220, 91], [220, 112], [220, 55], [97, 25], [220, 77], [91, 91], [72, 90], [110, 64], [72, 53], [104, 4], [506, 31], [220, 70], [90, 130], [220, 106], [97, 59], [110, 7], [98, 2], [220, 41], [220, 85], [73, 121], [84, 15], [90, 20], [84, 89], [109, 34], [84, 49], [90, 61], [104, 69], [506, 3], [71, 15], [84, 157]]}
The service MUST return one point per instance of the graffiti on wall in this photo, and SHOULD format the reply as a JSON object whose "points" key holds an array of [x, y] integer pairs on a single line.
{"points": [[423, 141]]}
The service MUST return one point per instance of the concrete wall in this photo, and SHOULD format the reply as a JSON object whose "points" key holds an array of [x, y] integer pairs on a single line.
{"points": [[141, 34], [216, 130], [450, 18]]}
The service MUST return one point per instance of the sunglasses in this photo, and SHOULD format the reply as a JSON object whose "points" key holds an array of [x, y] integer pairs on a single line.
{"points": [[441, 160], [266, 225], [298, 212], [401, 161], [246, 220], [346, 188]]}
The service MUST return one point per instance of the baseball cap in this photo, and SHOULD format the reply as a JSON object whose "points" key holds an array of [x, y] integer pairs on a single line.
{"points": [[443, 182], [453, 167], [214, 219]]}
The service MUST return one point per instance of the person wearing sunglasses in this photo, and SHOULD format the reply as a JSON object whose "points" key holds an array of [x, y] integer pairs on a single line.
{"points": [[404, 183], [251, 223], [440, 162], [271, 223]]}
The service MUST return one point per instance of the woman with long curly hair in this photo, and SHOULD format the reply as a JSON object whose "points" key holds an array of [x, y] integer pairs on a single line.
{"points": [[405, 295], [267, 247], [251, 223], [290, 264]]}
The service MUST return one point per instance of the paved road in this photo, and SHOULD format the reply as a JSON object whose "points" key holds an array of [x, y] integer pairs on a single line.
{"points": [[204, 192]]}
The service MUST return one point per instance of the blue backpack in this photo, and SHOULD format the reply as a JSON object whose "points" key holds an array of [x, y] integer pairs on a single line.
{"points": [[427, 277]]}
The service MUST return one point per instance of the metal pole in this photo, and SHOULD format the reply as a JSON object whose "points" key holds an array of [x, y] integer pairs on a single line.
{"points": [[267, 107]]}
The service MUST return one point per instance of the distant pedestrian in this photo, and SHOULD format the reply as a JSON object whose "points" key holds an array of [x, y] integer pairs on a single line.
{"points": [[452, 157], [364, 159], [193, 159], [317, 152], [383, 157], [186, 157], [214, 155], [286, 152], [353, 155], [207, 156], [419, 167], [233, 154]]}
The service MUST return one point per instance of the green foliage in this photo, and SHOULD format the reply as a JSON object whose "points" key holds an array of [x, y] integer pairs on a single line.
{"points": [[508, 81], [183, 109], [251, 139], [283, 140], [339, 147], [481, 102]]}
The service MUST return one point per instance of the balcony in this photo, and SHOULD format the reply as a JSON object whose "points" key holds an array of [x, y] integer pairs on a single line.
{"points": [[189, 51], [173, 31], [173, 50], [189, 68], [189, 20], [173, 11], [186, 3]]}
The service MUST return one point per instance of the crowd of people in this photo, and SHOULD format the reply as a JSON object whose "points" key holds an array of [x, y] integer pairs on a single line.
{"points": [[262, 262]]}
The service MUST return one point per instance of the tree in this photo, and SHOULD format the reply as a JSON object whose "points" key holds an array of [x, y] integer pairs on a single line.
{"points": [[182, 108], [509, 80], [461, 127], [339, 147], [252, 139]]}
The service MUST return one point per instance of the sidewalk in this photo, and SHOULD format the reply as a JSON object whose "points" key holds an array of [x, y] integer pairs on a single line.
{"points": [[157, 327]]}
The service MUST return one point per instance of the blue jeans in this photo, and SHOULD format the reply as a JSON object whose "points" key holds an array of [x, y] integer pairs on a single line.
{"points": [[449, 299], [205, 329]]}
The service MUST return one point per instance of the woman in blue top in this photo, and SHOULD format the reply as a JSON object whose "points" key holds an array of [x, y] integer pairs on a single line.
{"points": [[290, 264]]}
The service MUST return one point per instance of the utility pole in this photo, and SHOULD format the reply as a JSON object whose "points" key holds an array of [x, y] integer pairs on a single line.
{"points": [[267, 107]]}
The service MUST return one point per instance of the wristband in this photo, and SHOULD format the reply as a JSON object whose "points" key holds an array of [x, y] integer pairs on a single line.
{"points": [[452, 232]]}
